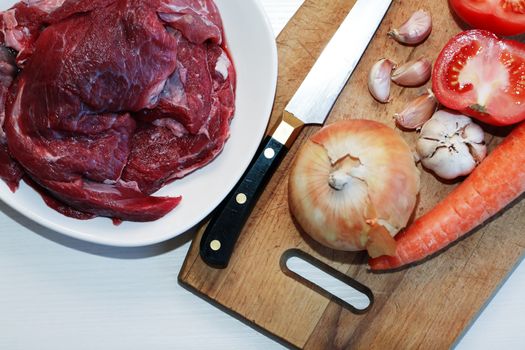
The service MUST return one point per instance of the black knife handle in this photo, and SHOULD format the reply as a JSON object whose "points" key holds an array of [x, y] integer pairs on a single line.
{"points": [[227, 222], [222, 232]]}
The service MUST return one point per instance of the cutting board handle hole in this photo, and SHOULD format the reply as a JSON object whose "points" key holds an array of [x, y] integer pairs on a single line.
{"points": [[327, 281]]}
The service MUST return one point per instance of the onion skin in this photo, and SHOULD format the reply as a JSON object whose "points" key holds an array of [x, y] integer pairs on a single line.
{"points": [[380, 195]]}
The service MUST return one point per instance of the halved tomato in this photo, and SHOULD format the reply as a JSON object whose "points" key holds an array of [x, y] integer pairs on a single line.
{"points": [[482, 76], [503, 17]]}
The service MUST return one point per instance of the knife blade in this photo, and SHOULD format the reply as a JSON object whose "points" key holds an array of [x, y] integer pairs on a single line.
{"points": [[311, 104]]}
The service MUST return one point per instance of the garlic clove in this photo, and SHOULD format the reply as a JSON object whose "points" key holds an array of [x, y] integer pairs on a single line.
{"points": [[417, 112], [415, 30], [471, 133], [416, 156], [476, 142], [379, 79], [413, 73], [478, 151]]}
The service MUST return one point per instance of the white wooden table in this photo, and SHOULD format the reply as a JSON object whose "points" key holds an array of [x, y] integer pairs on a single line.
{"points": [[60, 293]]}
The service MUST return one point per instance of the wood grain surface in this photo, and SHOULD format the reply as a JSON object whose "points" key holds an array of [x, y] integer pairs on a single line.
{"points": [[425, 306]]}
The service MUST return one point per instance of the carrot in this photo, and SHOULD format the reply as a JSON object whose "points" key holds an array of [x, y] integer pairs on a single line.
{"points": [[494, 184]]}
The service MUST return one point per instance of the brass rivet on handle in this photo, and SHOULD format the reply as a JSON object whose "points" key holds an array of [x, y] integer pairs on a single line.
{"points": [[215, 245], [241, 198], [269, 153]]}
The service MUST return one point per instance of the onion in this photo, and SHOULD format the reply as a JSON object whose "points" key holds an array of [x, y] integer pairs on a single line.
{"points": [[353, 186]]}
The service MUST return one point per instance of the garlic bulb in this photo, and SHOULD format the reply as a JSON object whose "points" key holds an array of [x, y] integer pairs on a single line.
{"points": [[451, 145], [413, 73], [415, 30], [379, 79], [353, 186]]}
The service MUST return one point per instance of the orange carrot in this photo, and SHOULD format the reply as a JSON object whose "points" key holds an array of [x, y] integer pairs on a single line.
{"points": [[494, 184]]}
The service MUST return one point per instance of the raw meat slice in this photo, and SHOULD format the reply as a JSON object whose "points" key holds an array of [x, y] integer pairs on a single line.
{"points": [[53, 129], [7, 74], [164, 152], [197, 20], [119, 201], [186, 96], [59, 206], [115, 99], [10, 171], [20, 27], [46, 6]]}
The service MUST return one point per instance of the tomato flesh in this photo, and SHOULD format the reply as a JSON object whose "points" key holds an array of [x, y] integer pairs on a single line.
{"points": [[482, 76], [503, 17]]}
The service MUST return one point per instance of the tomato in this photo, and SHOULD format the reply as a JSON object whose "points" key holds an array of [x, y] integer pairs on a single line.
{"points": [[482, 76], [503, 17]]}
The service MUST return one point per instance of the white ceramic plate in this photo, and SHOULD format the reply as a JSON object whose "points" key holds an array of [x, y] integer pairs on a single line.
{"points": [[254, 52]]}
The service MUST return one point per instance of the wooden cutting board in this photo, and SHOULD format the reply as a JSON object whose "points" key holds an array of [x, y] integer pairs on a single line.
{"points": [[426, 306]]}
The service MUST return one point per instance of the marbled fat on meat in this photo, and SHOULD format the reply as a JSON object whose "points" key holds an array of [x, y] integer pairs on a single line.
{"points": [[112, 99]]}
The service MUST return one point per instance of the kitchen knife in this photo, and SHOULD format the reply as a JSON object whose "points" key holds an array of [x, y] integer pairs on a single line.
{"points": [[311, 104]]}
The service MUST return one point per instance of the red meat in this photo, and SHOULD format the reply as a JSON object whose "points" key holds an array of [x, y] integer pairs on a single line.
{"points": [[115, 99]]}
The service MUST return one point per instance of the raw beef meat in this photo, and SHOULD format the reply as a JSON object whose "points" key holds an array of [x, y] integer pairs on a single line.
{"points": [[10, 171], [114, 99]]}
